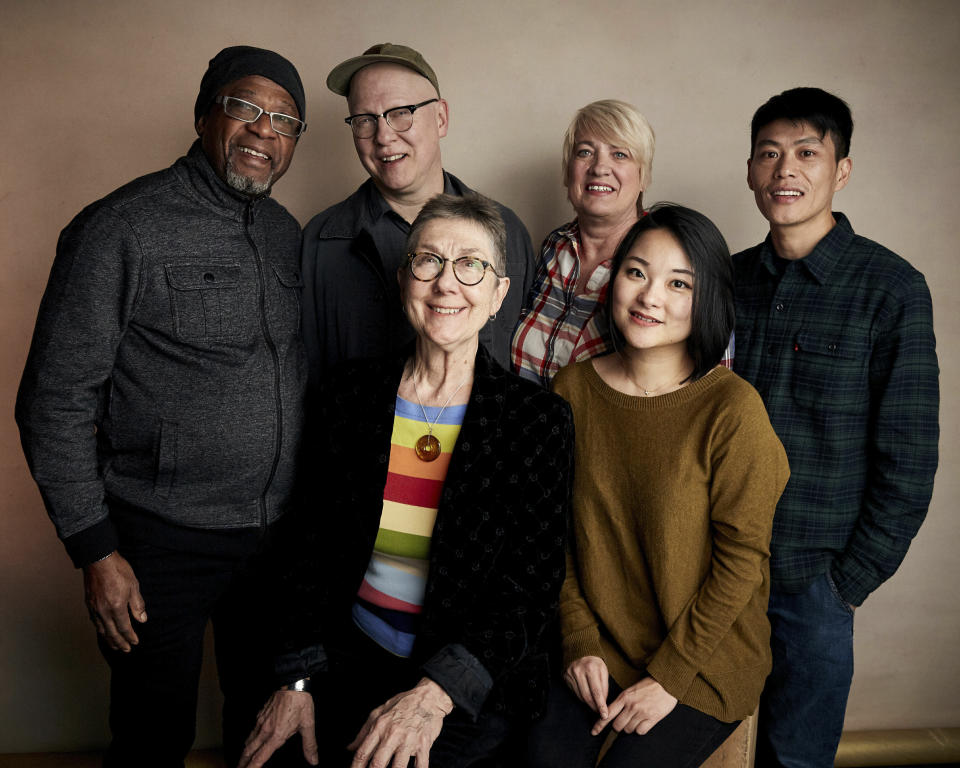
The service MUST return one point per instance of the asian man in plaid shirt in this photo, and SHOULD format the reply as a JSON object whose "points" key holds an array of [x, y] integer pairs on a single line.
{"points": [[836, 333]]}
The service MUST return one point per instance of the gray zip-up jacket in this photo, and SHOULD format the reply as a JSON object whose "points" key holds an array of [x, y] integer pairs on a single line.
{"points": [[166, 371]]}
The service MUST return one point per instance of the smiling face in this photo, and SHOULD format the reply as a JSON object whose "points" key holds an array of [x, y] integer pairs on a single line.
{"points": [[249, 157], [793, 174], [604, 180], [652, 294], [444, 312], [403, 165]]}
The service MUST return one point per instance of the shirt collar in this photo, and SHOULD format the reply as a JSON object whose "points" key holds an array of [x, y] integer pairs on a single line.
{"points": [[819, 263], [376, 206], [210, 186]]}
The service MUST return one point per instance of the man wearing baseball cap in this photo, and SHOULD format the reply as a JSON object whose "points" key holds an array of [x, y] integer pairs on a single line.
{"points": [[161, 405], [352, 250]]}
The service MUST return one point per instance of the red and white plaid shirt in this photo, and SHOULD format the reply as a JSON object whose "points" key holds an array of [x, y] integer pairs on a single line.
{"points": [[559, 326]]}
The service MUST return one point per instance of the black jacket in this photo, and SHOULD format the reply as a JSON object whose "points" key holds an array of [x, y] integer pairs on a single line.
{"points": [[351, 308], [497, 552], [166, 371]]}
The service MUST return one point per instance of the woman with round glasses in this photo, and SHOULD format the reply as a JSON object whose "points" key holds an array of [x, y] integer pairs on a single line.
{"points": [[665, 637], [431, 541]]}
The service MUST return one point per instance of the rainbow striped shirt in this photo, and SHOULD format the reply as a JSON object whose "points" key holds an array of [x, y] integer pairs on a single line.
{"points": [[390, 598]]}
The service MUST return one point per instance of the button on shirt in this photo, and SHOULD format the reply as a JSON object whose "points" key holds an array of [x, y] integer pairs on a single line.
{"points": [[840, 346]]}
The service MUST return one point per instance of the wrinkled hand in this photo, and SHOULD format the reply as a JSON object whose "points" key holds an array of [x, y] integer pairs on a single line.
{"points": [[589, 680], [406, 726], [284, 714], [638, 708], [112, 594]]}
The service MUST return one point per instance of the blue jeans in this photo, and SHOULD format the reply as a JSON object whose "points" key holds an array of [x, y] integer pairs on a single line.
{"points": [[805, 697]]}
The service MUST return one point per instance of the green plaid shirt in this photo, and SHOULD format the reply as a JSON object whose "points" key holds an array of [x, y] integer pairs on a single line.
{"points": [[840, 346]]}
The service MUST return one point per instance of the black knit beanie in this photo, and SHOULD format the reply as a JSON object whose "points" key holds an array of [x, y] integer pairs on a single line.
{"points": [[243, 60]]}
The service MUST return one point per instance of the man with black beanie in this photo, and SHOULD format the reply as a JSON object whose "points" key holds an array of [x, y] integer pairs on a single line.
{"points": [[161, 405]]}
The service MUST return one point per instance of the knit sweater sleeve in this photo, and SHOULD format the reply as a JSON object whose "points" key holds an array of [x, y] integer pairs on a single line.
{"points": [[749, 472], [579, 625]]}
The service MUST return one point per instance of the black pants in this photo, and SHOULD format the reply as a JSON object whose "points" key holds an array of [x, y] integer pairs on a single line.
{"points": [[361, 677], [683, 739], [153, 689]]}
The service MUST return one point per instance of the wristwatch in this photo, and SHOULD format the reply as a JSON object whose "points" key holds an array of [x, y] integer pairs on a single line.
{"points": [[302, 685]]}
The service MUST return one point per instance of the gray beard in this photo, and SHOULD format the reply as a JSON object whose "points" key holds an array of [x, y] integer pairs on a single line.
{"points": [[244, 184]]}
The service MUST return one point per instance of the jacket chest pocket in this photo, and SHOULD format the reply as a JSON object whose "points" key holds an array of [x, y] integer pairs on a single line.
{"points": [[206, 301], [289, 285], [831, 373]]}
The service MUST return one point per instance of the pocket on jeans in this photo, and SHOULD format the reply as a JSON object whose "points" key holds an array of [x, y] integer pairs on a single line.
{"points": [[836, 593]]}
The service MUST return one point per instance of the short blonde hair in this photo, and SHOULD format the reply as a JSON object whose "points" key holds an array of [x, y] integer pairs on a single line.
{"points": [[615, 122]]}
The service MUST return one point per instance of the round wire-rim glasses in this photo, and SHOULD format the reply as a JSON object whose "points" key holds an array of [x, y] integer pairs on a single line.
{"points": [[427, 267]]}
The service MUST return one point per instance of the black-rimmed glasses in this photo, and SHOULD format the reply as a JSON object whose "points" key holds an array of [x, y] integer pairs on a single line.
{"points": [[468, 270], [364, 126], [247, 112]]}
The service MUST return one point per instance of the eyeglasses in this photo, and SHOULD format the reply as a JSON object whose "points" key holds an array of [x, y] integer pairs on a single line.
{"points": [[364, 125], [427, 267], [246, 112]]}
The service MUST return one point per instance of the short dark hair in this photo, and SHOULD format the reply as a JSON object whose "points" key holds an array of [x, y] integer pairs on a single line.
{"points": [[824, 111], [712, 315], [472, 206]]}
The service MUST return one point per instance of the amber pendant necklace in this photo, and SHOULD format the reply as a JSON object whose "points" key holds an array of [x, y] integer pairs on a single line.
{"points": [[428, 446]]}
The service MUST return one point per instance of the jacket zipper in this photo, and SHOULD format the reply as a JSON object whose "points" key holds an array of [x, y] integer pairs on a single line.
{"points": [[264, 325]]}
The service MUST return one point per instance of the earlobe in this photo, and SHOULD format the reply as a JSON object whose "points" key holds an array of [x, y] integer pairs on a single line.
{"points": [[749, 182], [198, 126]]}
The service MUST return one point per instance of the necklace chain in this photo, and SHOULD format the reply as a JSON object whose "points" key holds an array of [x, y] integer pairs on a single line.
{"points": [[651, 392], [423, 410], [428, 446]]}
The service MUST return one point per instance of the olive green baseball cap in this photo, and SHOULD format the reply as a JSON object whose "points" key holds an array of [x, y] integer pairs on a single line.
{"points": [[338, 80]]}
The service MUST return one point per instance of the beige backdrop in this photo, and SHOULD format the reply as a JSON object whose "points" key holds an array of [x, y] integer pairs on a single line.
{"points": [[95, 93]]}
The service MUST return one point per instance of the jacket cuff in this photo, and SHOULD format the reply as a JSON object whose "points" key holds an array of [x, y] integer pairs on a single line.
{"points": [[92, 544], [671, 670], [290, 667], [462, 676]]}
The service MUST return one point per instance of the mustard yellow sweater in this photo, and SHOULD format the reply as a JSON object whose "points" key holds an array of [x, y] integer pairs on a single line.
{"points": [[667, 570]]}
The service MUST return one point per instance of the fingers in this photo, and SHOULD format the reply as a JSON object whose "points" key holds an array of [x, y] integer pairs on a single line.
{"points": [[362, 733], [256, 750], [598, 684], [284, 714], [310, 752], [138, 608], [405, 726], [638, 708], [589, 680], [113, 623], [112, 595], [613, 710]]}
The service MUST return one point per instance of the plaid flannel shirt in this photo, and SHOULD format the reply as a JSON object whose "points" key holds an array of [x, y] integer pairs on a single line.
{"points": [[840, 346]]}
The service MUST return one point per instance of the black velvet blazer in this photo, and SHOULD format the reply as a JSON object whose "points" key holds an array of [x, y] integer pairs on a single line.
{"points": [[497, 552]]}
